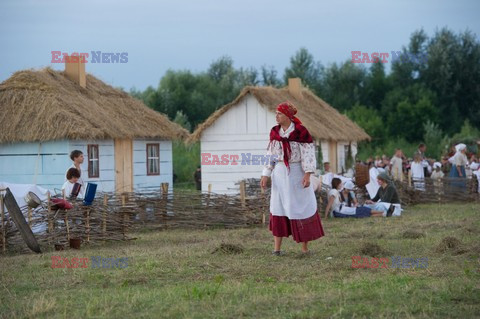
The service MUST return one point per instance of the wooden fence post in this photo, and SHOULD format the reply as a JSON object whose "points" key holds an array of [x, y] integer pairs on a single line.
{"points": [[49, 214], [124, 217], [209, 192], [164, 202], [104, 216], [67, 227], [242, 194], [87, 225], [4, 237]]}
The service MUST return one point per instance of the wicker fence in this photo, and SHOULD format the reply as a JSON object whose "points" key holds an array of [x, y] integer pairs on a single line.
{"points": [[114, 216]]}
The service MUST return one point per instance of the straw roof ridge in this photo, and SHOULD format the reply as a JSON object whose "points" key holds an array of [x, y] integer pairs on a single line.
{"points": [[322, 120], [42, 105]]}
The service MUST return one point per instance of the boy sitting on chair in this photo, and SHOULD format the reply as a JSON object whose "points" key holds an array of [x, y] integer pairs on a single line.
{"points": [[71, 188]]}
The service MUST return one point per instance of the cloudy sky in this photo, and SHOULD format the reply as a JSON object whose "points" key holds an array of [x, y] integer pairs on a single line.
{"points": [[180, 34]]}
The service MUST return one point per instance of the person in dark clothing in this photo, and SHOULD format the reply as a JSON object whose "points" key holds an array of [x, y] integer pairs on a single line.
{"points": [[198, 178], [387, 193]]}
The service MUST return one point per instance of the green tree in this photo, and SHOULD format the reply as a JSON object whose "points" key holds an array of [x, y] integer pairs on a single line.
{"points": [[370, 120], [343, 85], [303, 66]]}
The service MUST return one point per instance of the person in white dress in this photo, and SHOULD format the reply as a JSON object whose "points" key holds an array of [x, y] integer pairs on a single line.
{"points": [[293, 205]]}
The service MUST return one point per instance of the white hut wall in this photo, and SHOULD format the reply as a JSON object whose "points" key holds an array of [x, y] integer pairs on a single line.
{"points": [[241, 131]]}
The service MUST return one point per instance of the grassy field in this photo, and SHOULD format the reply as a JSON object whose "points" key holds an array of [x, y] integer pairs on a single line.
{"points": [[232, 274]]}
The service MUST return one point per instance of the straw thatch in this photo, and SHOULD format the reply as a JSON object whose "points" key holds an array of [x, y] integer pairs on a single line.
{"points": [[45, 105], [323, 121]]}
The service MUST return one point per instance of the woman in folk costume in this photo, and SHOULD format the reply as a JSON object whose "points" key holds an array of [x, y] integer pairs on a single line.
{"points": [[293, 206], [459, 161]]}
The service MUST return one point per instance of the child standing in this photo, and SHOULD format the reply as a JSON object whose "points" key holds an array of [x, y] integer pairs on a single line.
{"points": [[437, 176]]}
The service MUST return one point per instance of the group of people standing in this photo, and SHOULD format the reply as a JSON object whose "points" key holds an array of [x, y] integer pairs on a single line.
{"points": [[454, 165]]}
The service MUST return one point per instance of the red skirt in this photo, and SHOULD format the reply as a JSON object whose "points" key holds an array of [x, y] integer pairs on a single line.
{"points": [[302, 230]]}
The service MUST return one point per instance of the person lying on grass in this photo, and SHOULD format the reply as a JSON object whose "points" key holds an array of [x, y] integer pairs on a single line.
{"points": [[337, 208]]}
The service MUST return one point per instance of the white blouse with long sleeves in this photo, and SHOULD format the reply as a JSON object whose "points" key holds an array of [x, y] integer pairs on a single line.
{"points": [[301, 152], [460, 159]]}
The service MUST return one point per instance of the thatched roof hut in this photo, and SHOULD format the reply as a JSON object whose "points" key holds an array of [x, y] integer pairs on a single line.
{"points": [[322, 120], [47, 114], [46, 105], [241, 128]]}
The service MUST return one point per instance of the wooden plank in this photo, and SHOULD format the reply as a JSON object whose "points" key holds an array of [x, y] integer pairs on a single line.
{"points": [[19, 220], [332, 152], [123, 165]]}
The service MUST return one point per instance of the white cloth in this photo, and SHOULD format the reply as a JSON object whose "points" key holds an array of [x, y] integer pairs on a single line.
{"points": [[372, 187], [474, 166], [437, 164], [289, 198], [477, 173], [381, 206], [301, 153], [20, 190]]}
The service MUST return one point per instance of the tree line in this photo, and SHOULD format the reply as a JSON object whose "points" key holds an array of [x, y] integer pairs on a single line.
{"points": [[419, 99]]}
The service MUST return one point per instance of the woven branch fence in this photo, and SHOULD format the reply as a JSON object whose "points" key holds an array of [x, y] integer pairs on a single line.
{"points": [[113, 216]]}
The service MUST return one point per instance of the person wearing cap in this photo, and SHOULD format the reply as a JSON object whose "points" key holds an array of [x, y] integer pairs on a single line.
{"points": [[437, 171], [459, 162], [293, 205], [387, 194], [338, 208], [348, 196]]}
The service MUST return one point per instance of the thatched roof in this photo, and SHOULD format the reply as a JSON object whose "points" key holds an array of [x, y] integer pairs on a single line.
{"points": [[45, 105], [323, 121]]}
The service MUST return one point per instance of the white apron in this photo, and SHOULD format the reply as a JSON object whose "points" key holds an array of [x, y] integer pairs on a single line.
{"points": [[289, 198]]}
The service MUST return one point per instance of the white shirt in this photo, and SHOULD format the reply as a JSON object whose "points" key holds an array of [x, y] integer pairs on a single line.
{"points": [[67, 188], [417, 170], [301, 152], [336, 202], [460, 159]]}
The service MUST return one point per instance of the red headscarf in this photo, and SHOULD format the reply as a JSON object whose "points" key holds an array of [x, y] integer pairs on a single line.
{"points": [[300, 134], [289, 110]]}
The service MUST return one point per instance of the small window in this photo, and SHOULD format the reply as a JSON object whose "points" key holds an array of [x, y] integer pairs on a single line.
{"points": [[153, 159], [93, 161]]}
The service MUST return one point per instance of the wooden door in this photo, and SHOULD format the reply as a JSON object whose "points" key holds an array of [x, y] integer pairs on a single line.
{"points": [[332, 156], [123, 165]]}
